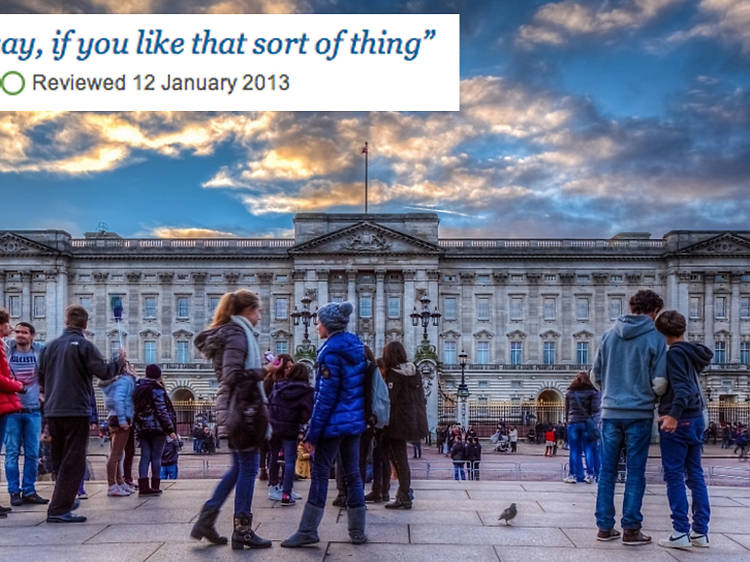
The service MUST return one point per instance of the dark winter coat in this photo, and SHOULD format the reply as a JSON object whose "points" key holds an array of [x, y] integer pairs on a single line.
{"points": [[339, 407], [473, 452], [238, 393], [458, 451], [153, 410], [291, 404], [683, 398], [171, 452], [66, 368], [408, 419], [581, 405]]}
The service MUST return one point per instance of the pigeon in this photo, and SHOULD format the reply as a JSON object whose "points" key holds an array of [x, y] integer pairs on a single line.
{"points": [[508, 514]]}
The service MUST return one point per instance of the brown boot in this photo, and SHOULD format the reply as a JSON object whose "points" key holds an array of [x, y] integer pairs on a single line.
{"points": [[155, 482], [634, 537]]}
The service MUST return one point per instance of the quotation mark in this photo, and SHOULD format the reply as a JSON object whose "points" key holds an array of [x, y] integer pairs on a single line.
{"points": [[429, 34]]}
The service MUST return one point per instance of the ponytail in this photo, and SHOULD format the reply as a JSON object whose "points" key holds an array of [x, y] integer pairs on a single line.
{"points": [[232, 304]]}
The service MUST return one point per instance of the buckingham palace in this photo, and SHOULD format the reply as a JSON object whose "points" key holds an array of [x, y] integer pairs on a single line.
{"points": [[522, 315]]}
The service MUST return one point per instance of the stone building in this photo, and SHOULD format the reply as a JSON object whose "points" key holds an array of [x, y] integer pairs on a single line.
{"points": [[528, 312]]}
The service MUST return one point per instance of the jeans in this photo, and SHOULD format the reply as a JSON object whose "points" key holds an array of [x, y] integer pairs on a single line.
{"points": [[22, 430], [417, 449], [70, 437], [169, 471], [323, 458], [458, 469], [681, 459], [240, 476], [290, 459], [593, 458], [152, 446], [634, 436], [576, 442]]}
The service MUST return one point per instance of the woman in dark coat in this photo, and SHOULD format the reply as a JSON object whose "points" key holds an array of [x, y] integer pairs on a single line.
{"points": [[408, 421], [241, 413], [581, 411], [154, 418]]}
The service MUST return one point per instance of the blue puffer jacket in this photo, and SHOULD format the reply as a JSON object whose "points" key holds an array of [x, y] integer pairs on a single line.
{"points": [[339, 389], [118, 397]]}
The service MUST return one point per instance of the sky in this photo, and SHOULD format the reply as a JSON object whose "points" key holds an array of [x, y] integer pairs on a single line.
{"points": [[578, 119]]}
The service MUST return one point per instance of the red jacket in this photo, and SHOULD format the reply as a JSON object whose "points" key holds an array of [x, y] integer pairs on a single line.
{"points": [[9, 401]]}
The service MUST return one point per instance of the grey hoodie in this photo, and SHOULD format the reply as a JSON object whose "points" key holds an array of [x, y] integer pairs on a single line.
{"points": [[630, 368]]}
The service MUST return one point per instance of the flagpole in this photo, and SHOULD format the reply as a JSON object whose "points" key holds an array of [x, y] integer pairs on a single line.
{"points": [[366, 155]]}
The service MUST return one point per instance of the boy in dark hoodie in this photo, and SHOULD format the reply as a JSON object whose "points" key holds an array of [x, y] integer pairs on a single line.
{"points": [[681, 433]]}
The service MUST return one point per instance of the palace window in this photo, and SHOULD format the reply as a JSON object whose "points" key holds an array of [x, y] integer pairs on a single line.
{"points": [[449, 308], [149, 351], [39, 306], [14, 306], [483, 308], [183, 351], [149, 307], [744, 307], [695, 308], [282, 346], [550, 306], [183, 307], [720, 307], [114, 348], [549, 353], [281, 308], [720, 351], [582, 308], [745, 353], [213, 302], [365, 306], [483, 352], [516, 308], [615, 308], [516, 353], [582, 352], [449, 353], [394, 307]]}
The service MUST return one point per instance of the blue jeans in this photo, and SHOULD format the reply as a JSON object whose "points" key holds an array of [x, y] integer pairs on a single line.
{"points": [[22, 430], [290, 459], [634, 436], [323, 458], [240, 476], [681, 459], [593, 460], [458, 469], [169, 472], [576, 442], [152, 447]]}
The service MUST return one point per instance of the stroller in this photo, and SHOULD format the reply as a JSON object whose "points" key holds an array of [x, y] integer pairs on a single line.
{"points": [[503, 445]]}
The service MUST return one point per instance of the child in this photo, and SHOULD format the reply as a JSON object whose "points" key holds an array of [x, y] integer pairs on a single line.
{"points": [[302, 468], [549, 438], [681, 433], [169, 458]]}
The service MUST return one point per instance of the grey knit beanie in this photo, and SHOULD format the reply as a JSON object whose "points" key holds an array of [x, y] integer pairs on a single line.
{"points": [[335, 316]]}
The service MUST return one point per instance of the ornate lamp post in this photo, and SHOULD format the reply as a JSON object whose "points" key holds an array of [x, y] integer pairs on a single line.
{"points": [[463, 392], [306, 350], [424, 317]]}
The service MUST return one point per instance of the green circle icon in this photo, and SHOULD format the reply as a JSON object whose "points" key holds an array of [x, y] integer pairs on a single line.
{"points": [[12, 73]]}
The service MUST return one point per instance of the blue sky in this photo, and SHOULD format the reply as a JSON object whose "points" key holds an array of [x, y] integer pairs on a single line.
{"points": [[578, 119]]}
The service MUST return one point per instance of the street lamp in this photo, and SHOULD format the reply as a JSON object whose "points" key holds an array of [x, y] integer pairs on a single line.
{"points": [[425, 316], [463, 391], [305, 351]]}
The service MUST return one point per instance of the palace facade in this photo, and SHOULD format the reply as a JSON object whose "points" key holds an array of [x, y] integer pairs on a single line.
{"points": [[527, 312]]}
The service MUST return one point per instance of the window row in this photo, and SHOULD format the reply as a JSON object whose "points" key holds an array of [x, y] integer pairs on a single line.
{"points": [[721, 352], [14, 306], [549, 355], [720, 307], [517, 308], [183, 350]]}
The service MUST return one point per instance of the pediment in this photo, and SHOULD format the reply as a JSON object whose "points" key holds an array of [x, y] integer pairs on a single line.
{"points": [[182, 334], [281, 334], [484, 334], [583, 335], [451, 335], [726, 244], [12, 244], [516, 335], [149, 333], [366, 237], [549, 335]]}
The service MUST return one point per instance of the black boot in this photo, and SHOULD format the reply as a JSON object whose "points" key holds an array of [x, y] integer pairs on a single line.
{"points": [[144, 489], [243, 534], [204, 527], [155, 482]]}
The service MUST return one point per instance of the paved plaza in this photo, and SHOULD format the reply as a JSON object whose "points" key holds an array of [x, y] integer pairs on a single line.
{"points": [[450, 521]]}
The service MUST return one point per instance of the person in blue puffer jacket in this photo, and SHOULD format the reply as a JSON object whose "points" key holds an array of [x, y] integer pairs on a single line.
{"points": [[118, 399], [337, 421]]}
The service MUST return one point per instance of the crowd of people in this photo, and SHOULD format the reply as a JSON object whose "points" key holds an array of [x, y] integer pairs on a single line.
{"points": [[360, 408]]}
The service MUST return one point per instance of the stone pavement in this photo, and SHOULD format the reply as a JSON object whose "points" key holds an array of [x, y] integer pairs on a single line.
{"points": [[450, 521]]}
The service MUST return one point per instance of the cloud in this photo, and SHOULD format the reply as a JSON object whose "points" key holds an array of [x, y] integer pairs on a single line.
{"points": [[725, 20], [189, 232], [558, 23]]}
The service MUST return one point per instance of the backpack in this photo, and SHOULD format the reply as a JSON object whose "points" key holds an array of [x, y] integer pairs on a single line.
{"points": [[377, 400]]}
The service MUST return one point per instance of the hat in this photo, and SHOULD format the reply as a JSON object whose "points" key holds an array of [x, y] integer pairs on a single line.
{"points": [[153, 371], [335, 316]]}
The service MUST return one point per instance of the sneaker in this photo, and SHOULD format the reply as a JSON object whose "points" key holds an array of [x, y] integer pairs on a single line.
{"points": [[15, 499], [287, 500], [699, 540], [117, 492], [608, 535], [34, 498], [82, 496], [124, 488], [634, 537], [296, 496], [676, 540], [589, 479], [127, 487], [274, 493], [569, 479]]}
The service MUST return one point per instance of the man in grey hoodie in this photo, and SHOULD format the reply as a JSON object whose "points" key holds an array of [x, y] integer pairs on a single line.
{"points": [[630, 369]]}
